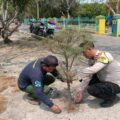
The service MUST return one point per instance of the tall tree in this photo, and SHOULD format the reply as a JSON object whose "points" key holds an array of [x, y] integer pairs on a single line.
{"points": [[67, 5], [118, 6], [63, 6], [38, 8]]}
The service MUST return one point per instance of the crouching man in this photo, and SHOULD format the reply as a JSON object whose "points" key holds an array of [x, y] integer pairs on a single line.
{"points": [[34, 80], [101, 78]]}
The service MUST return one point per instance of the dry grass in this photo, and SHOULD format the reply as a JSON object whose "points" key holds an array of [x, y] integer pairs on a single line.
{"points": [[3, 104], [6, 82], [71, 107], [2, 119]]}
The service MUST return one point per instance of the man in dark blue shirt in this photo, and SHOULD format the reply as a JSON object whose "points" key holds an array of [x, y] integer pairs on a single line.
{"points": [[33, 76]]}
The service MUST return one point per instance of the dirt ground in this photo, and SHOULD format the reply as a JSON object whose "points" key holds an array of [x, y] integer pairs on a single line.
{"points": [[14, 106]]}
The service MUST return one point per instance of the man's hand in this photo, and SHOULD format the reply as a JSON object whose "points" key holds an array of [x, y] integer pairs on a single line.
{"points": [[78, 97], [56, 109]]}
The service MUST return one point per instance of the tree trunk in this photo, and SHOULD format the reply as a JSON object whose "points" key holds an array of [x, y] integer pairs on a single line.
{"points": [[37, 4], [6, 34], [6, 11], [5, 30], [110, 8], [2, 10], [68, 14], [69, 87], [118, 6], [7, 40]]}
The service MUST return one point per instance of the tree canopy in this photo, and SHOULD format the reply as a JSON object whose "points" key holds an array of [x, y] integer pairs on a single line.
{"points": [[57, 8]]}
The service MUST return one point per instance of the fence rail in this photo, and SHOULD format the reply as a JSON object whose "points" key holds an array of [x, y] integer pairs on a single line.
{"points": [[65, 23]]}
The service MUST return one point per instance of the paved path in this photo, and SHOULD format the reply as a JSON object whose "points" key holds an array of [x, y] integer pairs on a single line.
{"points": [[108, 43]]}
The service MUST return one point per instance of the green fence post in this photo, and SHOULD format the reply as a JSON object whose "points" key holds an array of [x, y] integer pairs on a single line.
{"points": [[79, 22], [64, 25]]}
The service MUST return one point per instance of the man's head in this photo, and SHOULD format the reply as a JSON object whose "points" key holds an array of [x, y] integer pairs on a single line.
{"points": [[50, 63], [89, 50]]}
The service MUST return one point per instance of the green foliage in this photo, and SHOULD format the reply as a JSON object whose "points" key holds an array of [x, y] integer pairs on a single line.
{"points": [[15, 5], [20, 4], [56, 8], [66, 44], [90, 10], [11, 10], [48, 8], [53, 8]]}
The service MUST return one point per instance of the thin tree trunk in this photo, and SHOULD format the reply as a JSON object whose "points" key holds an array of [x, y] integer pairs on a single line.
{"points": [[6, 36], [2, 10], [7, 40], [37, 4], [108, 7], [111, 9], [118, 6], [68, 14], [6, 11], [68, 8]]}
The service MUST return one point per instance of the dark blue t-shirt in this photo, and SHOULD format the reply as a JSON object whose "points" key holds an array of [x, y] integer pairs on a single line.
{"points": [[33, 74]]}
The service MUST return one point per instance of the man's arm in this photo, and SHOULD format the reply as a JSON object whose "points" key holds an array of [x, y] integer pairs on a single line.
{"points": [[87, 73], [36, 79], [85, 78], [38, 90], [43, 98]]}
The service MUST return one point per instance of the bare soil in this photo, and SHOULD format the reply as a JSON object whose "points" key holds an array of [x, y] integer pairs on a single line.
{"points": [[13, 105]]}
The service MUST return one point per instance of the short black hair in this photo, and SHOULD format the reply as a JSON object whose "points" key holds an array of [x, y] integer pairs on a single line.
{"points": [[87, 44], [50, 61]]}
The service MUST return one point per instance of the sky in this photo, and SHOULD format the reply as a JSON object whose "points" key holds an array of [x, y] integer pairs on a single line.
{"points": [[89, 1]]}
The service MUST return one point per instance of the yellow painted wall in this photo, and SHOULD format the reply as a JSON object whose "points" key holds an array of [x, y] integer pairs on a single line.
{"points": [[101, 26], [118, 27]]}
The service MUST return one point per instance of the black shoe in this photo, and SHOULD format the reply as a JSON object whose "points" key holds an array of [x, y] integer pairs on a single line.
{"points": [[110, 102], [31, 97], [32, 100]]}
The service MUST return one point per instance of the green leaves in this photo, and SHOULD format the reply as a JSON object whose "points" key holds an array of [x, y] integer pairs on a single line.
{"points": [[21, 4], [66, 44], [90, 10]]}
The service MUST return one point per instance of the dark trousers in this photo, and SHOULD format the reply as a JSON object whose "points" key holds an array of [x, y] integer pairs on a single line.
{"points": [[48, 79], [103, 90]]}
